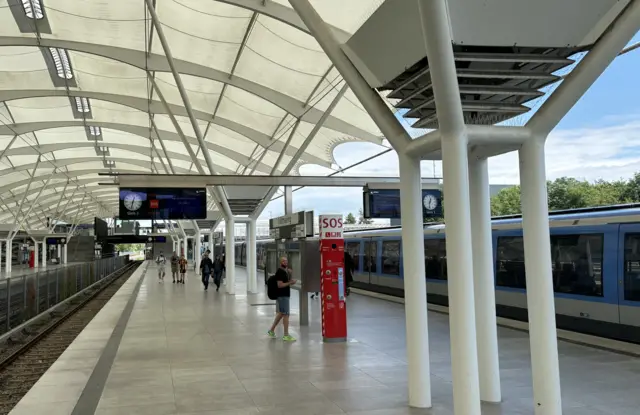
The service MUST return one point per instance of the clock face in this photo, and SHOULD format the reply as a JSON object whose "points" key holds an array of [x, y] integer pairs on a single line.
{"points": [[132, 201], [430, 202]]}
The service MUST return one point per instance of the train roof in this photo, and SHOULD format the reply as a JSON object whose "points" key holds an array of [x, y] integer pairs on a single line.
{"points": [[618, 213]]}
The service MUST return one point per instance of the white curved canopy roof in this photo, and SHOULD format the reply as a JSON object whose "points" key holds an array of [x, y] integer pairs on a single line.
{"points": [[79, 95]]}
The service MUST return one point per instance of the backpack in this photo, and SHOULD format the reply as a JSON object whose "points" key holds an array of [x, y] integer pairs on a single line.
{"points": [[272, 288]]}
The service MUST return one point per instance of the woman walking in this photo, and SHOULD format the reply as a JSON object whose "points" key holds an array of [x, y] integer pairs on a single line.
{"points": [[183, 269]]}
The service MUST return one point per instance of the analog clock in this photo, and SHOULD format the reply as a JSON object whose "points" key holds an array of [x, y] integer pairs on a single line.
{"points": [[430, 202], [132, 201]]}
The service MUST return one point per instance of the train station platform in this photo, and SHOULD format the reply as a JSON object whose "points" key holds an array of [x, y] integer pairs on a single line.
{"points": [[172, 349]]}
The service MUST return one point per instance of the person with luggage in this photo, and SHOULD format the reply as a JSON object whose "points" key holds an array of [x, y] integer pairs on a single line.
{"points": [[182, 263], [206, 267], [279, 289]]}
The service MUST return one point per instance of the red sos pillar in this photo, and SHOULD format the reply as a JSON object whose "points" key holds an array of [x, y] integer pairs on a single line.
{"points": [[334, 308]]}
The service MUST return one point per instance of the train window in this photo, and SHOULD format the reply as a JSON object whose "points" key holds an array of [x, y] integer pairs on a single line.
{"points": [[391, 257], [353, 248], [510, 262], [435, 259], [632, 267], [576, 261], [370, 255]]}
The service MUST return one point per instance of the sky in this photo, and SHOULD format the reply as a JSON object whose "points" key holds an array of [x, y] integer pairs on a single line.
{"points": [[598, 139]]}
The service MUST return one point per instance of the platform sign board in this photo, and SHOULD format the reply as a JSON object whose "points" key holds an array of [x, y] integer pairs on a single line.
{"points": [[385, 203], [56, 240], [332, 279], [295, 225], [162, 203]]}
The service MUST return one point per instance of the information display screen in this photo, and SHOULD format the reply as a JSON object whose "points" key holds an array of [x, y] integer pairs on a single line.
{"points": [[162, 203], [385, 204]]}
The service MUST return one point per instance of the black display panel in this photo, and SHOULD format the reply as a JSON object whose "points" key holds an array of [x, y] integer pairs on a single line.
{"points": [[162, 203], [385, 204], [100, 229]]}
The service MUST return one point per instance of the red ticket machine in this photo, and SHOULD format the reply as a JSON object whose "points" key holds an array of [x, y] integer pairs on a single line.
{"points": [[334, 307], [32, 258]]}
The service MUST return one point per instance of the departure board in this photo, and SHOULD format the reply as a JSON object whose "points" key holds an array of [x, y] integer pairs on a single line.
{"points": [[385, 203], [162, 203]]}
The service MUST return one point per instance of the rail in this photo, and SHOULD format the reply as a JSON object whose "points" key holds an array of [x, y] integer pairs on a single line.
{"points": [[25, 297]]}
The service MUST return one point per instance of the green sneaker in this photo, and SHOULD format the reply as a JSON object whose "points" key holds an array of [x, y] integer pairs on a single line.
{"points": [[271, 334], [288, 338]]}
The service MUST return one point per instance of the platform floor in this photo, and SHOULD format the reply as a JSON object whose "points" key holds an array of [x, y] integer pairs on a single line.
{"points": [[20, 270], [189, 352]]}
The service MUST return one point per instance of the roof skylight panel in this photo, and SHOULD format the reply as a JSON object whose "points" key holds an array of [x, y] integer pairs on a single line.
{"points": [[95, 131], [31, 6], [82, 104], [61, 60]]}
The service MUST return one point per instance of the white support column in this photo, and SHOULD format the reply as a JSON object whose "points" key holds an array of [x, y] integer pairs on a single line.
{"points": [[485, 300], [212, 243], [44, 253], [252, 257], [464, 353], [249, 263], [415, 286], [36, 254], [288, 200], [64, 253], [230, 256], [196, 248], [540, 296], [8, 256]]}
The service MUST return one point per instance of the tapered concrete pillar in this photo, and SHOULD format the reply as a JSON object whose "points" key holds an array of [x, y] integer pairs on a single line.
{"points": [[484, 285], [415, 287], [539, 278], [230, 256]]}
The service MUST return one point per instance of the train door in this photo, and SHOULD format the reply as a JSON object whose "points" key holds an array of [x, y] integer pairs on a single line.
{"points": [[370, 260], [628, 283]]}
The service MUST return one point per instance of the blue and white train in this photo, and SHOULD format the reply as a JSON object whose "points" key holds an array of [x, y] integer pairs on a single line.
{"points": [[595, 260]]}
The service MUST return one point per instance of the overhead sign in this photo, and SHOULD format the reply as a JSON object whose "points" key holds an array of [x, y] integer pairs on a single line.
{"points": [[385, 203], [331, 226], [56, 240], [295, 225], [162, 203]]}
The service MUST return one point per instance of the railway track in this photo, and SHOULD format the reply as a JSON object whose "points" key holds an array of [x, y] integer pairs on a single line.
{"points": [[25, 359]]}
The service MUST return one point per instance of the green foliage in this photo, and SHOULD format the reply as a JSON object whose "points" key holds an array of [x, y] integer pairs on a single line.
{"points": [[570, 193], [350, 219], [130, 247]]}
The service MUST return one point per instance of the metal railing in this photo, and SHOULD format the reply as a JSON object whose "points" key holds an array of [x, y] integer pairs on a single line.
{"points": [[25, 297]]}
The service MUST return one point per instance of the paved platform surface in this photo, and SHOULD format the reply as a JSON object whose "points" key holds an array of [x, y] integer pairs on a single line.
{"points": [[177, 350]]}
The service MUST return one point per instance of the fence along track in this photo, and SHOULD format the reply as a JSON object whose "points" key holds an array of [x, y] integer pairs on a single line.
{"points": [[23, 363]]}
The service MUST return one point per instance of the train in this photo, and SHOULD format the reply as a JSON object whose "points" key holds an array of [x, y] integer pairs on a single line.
{"points": [[595, 267]]}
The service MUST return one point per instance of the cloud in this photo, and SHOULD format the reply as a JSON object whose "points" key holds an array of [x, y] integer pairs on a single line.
{"points": [[610, 151]]}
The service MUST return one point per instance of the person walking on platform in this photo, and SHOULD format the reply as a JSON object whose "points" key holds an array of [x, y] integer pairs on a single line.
{"points": [[174, 266], [206, 267], [183, 269], [218, 268], [284, 282], [349, 268], [161, 261]]}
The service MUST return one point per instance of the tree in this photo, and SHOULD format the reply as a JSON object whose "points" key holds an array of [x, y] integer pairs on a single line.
{"points": [[362, 220], [506, 202], [350, 219]]}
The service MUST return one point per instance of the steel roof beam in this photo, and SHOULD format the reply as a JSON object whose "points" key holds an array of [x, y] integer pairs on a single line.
{"points": [[193, 180], [158, 63]]}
